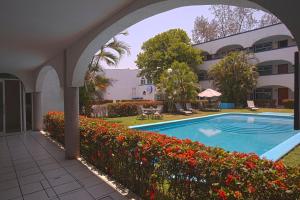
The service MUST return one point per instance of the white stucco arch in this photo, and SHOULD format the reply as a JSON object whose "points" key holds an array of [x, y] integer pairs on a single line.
{"points": [[24, 77], [41, 77], [282, 80], [270, 37], [274, 61], [232, 46], [125, 18], [49, 86]]}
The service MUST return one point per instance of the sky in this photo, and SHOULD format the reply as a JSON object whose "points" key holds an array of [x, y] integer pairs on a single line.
{"points": [[177, 18]]}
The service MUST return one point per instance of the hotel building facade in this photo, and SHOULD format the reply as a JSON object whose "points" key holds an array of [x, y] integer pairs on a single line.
{"points": [[273, 47]]}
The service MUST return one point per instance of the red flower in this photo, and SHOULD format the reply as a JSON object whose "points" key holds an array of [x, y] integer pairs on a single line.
{"points": [[279, 184], [192, 162], [222, 194], [250, 165], [144, 160], [251, 189], [279, 166], [238, 194], [120, 138], [229, 179], [204, 155], [152, 193]]}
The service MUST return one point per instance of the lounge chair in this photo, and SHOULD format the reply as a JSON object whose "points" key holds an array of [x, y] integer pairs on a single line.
{"points": [[157, 113], [142, 114], [189, 107], [181, 110], [251, 106]]}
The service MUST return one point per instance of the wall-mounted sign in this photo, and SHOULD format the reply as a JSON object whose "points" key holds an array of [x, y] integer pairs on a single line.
{"points": [[150, 89]]}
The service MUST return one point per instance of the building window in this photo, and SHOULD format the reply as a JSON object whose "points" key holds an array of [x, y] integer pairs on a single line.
{"points": [[202, 75], [207, 57], [149, 82], [283, 69], [263, 47], [133, 92], [282, 43], [263, 93], [264, 70], [143, 81]]}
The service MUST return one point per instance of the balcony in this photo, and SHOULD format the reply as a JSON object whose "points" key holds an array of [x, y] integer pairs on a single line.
{"points": [[286, 80], [286, 54], [292, 48]]}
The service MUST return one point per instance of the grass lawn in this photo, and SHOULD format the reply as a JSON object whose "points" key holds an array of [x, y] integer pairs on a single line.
{"points": [[131, 121], [291, 159]]}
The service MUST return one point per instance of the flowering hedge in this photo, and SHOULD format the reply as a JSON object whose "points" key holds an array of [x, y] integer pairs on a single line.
{"points": [[124, 109], [156, 166]]}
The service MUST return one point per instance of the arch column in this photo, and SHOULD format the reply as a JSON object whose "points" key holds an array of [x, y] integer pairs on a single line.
{"points": [[71, 110], [37, 111]]}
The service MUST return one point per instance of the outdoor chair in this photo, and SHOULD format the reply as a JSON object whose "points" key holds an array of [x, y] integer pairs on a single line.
{"points": [[181, 110], [251, 106], [158, 112], [141, 113], [212, 106], [189, 107]]}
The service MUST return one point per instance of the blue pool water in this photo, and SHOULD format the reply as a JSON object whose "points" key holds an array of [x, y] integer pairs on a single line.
{"points": [[233, 132]]}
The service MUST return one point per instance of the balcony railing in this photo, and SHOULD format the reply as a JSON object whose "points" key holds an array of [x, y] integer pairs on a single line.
{"points": [[248, 49]]}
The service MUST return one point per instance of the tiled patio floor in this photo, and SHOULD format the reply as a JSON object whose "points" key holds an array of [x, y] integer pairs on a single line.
{"points": [[34, 168]]}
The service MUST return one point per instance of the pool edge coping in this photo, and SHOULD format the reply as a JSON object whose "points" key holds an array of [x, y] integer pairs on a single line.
{"points": [[273, 154]]}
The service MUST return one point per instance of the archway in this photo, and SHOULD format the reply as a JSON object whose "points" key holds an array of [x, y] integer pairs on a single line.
{"points": [[49, 85], [124, 19], [145, 9], [220, 53]]}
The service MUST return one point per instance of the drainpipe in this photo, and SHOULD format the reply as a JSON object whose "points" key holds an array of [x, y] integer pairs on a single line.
{"points": [[296, 93]]}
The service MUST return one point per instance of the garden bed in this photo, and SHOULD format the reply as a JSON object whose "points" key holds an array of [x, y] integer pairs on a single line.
{"points": [[156, 166]]}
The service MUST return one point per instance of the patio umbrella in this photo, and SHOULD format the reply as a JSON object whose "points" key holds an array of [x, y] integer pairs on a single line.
{"points": [[209, 93]]}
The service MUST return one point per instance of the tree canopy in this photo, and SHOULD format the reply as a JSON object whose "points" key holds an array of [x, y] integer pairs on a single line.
{"points": [[228, 20], [235, 76], [179, 82], [161, 51]]}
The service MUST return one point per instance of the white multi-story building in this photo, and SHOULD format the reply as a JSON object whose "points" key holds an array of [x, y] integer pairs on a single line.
{"points": [[126, 84], [274, 48]]}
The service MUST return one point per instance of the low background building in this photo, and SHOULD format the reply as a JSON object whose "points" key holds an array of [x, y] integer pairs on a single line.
{"points": [[126, 85]]}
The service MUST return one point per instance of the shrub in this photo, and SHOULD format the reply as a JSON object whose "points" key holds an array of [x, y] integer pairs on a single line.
{"points": [[265, 103], [288, 103], [124, 109], [156, 166]]}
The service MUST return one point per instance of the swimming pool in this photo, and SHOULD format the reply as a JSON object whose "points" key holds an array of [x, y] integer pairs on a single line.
{"points": [[233, 132]]}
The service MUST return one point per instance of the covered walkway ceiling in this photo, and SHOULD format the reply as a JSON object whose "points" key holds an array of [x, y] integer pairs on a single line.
{"points": [[33, 31]]}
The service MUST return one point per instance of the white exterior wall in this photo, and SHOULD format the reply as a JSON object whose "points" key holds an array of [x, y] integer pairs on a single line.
{"points": [[52, 93], [124, 83], [246, 39], [274, 57]]}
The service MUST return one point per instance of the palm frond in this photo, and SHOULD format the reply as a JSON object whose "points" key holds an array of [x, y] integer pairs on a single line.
{"points": [[109, 58], [120, 47]]}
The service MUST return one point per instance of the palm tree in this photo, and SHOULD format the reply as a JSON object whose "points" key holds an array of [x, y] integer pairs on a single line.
{"points": [[95, 82]]}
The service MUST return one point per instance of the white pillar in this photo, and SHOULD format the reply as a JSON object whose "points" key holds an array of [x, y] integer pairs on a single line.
{"points": [[37, 111], [71, 109]]}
